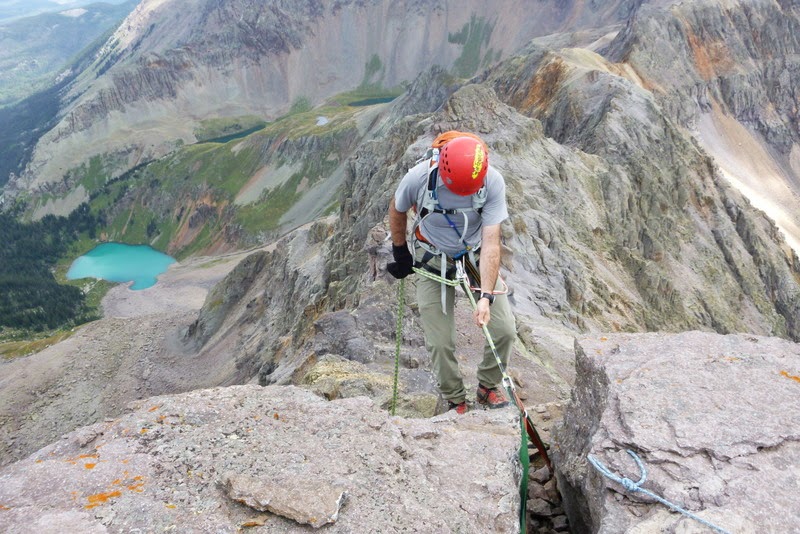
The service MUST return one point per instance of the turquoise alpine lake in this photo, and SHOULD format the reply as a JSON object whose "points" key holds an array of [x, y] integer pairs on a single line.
{"points": [[117, 262]]}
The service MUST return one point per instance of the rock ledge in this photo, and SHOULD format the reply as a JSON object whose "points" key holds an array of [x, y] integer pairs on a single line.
{"points": [[714, 418], [186, 461]]}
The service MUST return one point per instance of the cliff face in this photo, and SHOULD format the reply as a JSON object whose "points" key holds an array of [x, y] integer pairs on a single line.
{"points": [[656, 206], [172, 64], [727, 465], [729, 72]]}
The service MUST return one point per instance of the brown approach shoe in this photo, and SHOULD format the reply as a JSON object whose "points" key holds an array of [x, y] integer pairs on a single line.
{"points": [[460, 408], [491, 397]]}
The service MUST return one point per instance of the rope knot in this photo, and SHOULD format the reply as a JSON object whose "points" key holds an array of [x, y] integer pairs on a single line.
{"points": [[632, 486]]}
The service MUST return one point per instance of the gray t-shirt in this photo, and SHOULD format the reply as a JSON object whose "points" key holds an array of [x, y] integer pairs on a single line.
{"points": [[435, 227]]}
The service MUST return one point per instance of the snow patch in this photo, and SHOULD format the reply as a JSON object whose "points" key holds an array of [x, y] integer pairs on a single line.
{"points": [[322, 121], [74, 13]]}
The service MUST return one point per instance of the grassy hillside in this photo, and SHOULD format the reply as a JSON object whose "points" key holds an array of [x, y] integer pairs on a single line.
{"points": [[35, 50], [23, 123], [247, 182]]}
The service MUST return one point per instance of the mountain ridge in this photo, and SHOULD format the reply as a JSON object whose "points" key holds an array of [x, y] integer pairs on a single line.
{"points": [[621, 221], [148, 75], [34, 48]]}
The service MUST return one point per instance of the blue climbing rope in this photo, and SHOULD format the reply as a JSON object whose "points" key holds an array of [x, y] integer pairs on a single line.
{"points": [[633, 487]]}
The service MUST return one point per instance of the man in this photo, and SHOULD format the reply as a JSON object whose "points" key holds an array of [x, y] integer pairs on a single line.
{"points": [[460, 202]]}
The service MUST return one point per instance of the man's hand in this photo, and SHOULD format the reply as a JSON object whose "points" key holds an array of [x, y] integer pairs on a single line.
{"points": [[403, 262], [482, 313]]}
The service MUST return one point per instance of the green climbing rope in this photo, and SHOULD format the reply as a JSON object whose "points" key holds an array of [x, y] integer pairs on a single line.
{"points": [[401, 306], [528, 430]]}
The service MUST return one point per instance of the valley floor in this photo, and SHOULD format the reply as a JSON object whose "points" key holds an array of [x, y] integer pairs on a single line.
{"points": [[133, 352]]}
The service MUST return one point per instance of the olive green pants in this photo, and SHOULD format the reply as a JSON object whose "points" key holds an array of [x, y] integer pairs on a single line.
{"points": [[440, 338]]}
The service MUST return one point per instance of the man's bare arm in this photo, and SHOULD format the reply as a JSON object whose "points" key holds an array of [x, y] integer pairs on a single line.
{"points": [[398, 220], [490, 257], [490, 268]]}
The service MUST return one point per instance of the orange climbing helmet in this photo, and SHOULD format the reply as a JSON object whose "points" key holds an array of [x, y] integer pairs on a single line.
{"points": [[463, 162]]}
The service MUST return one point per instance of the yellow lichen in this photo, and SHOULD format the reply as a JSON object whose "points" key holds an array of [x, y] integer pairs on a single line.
{"points": [[793, 377], [101, 498]]}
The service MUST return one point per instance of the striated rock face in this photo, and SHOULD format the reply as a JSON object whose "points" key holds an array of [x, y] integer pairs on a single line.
{"points": [[652, 208], [713, 418], [191, 459], [728, 71]]}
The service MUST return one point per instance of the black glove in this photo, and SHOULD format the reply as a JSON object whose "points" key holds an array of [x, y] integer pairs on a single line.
{"points": [[403, 262]]}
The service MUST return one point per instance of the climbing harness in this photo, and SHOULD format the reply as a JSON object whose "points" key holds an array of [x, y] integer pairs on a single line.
{"points": [[401, 305], [634, 487]]}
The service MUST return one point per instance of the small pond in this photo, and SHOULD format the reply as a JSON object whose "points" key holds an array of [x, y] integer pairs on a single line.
{"points": [[117, 262]]}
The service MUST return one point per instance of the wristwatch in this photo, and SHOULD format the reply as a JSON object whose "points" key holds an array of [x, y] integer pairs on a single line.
{"points": [[487, 296]]}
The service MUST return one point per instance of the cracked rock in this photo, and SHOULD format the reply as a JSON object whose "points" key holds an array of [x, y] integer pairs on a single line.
{"points": [[713, 419]]}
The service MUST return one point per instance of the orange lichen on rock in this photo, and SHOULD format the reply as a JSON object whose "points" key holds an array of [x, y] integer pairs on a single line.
{"points": [[711, 58], [4, 507], [76, 459], [793, 377], [259, 522], [137, 485], [154, 408], [545, 85], [101, 498], [89, 466]]}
